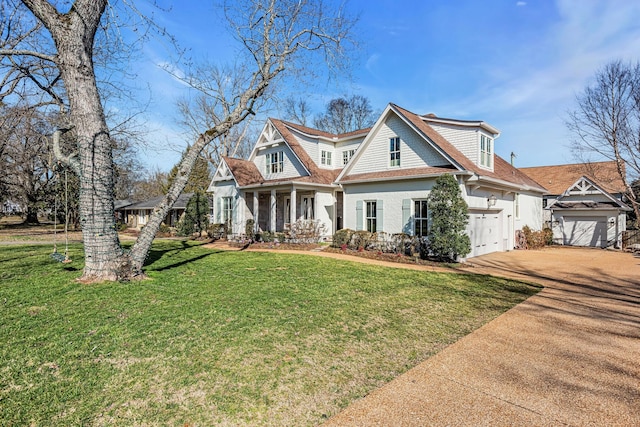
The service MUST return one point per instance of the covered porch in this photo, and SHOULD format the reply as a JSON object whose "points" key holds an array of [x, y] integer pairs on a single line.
{"points": [[274, 209]]}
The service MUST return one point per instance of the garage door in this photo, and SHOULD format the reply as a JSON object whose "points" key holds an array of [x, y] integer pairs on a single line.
{"points": [[585, 231], [484, 233]]}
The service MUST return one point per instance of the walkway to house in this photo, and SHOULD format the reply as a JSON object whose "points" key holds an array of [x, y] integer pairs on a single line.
{"points": [[569, 355]]}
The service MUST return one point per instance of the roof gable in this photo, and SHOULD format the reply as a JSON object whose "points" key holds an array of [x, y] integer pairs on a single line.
{"points": [[457, 162], [559, 177], [582, 188]]}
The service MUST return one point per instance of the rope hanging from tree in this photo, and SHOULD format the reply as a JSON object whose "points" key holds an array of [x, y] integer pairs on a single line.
{"points": [[63, 258]]}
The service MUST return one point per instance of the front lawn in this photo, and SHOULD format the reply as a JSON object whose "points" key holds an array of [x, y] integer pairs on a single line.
{"points": [[221, 338]]}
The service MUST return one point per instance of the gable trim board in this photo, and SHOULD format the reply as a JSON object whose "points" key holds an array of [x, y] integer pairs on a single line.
{"points": [[371, 175]]}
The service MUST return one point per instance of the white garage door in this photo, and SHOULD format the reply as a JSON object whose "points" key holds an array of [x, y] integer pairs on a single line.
{"points": [[484, 233], [585, 231]]}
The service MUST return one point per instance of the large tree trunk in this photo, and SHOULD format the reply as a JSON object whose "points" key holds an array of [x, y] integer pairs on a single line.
{"points": [[74, 36]]}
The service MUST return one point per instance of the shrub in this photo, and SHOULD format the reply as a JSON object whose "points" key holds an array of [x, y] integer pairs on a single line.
{"points": [[249, 229], [537, 239], [361, 239], [447, 237], [306, 231], [342, 237], [217, 231]]}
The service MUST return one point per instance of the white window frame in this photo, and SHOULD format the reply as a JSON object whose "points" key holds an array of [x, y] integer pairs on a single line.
{"points": [[325, 158], [226, 211], [417, 216], [287, 210], [274, 162], [347, 155], [394, 151], [371, 215], [486, 151]]}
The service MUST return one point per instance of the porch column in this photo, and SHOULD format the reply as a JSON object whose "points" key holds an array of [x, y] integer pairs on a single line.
{"points": [[272, 216], [293, 211], [256, 210], [315, 205]]}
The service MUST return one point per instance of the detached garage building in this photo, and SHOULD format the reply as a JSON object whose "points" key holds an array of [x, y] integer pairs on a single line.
{"points": [[585, 205]]}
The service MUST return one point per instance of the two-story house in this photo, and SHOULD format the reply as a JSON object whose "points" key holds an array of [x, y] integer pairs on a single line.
{"points": [[377, 179]]}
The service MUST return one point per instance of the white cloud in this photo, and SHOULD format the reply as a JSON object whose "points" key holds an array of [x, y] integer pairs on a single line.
{"points": [[521, 3]]}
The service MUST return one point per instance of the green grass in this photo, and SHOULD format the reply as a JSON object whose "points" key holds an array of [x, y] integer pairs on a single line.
{"points": [[221, 338]]}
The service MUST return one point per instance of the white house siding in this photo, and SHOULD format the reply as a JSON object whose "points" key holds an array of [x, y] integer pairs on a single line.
{"points": [[291, 166], [228, 189], [414, 151], [392, 195], [325, 203], [310, 145], [345, 146], [464, 139], [325, 146], [530, 212]]}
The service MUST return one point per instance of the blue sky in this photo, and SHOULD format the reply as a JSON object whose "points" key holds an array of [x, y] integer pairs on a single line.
{"points": [[517, 65]]}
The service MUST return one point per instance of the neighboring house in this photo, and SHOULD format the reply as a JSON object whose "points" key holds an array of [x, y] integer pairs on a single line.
{"points": [[136, 215], [377, 179], [584, 205]]}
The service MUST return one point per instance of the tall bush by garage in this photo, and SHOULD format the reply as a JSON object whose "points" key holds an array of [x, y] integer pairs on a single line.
{"points": [[449, 218]]}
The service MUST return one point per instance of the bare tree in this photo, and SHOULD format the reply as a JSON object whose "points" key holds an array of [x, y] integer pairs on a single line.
{"points": [[344, 115], [277, 37], [27, 159], [203, 113], [297, 110], [606, 122]]}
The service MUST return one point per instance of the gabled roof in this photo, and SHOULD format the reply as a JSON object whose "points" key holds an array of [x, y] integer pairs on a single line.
{"points": [[557, 179], [181, 203], [247, 174], [325, 135], [243, 171], [586, 186], [502, 172]]}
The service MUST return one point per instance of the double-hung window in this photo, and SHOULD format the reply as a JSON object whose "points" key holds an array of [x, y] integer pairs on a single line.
{"points": [[486, 157], [421, 225], [227, 211], [275, 162], [347, 155], [394, 151], [325, 158], [371, 217]]}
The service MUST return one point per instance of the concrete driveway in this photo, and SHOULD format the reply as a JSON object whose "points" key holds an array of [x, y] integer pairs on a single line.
{"points": [[569, 355]]}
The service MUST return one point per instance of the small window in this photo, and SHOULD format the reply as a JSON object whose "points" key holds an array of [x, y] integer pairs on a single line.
{"points": [[371, 217], [275, 162], [325, 158], [346, 156], [394, 151], [486, 157], [421, 225]]}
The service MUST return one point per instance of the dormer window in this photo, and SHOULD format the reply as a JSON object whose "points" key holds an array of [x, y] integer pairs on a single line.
{"points": [[486, 151], [275, 162], [325, 158], [394, 151]]}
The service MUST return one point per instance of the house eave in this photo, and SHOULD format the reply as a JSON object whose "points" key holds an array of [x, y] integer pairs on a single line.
{"points": [[268, 184], [401, 178], [502, 183]]}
